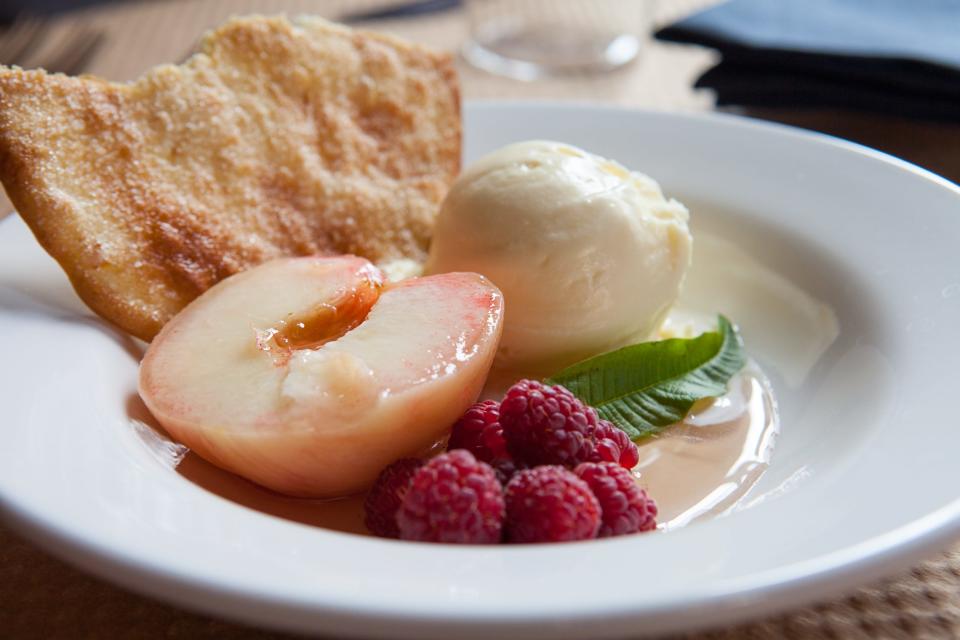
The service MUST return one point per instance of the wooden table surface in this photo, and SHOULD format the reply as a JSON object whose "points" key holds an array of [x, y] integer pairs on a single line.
{"points": [[41, 597]]}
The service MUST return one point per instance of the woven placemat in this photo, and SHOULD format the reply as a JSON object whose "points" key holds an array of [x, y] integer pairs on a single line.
{"points": [[41, 597]]}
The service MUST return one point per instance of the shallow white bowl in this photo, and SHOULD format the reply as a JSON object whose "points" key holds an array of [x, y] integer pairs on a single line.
{"points": [[863, 482]]}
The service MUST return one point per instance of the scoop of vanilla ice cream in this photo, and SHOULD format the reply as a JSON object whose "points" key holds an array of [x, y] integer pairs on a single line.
{"points": [[589, 255]]}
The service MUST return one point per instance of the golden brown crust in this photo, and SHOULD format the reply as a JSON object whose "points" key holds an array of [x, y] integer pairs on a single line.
{"points": [[278, 139]]}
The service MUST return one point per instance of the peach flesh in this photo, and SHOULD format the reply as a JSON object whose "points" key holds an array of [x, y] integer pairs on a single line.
{"points": [[255, 377]]}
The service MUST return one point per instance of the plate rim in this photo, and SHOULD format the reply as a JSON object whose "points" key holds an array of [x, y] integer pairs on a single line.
{"points": [[828, 575]]}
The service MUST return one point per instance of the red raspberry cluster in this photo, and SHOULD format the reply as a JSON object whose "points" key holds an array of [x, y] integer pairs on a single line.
{"points": [[540, 466], [545, 424]]}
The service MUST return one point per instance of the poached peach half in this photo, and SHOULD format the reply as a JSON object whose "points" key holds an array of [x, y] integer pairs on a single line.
{"points": [[310, 375]]}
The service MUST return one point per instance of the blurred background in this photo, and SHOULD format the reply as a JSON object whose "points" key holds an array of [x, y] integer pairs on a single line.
{"points": [[885, 73], [882, 72]]}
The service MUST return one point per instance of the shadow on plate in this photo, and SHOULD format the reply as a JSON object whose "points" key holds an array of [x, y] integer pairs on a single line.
{"points": [[344, 515], [49, 295]]}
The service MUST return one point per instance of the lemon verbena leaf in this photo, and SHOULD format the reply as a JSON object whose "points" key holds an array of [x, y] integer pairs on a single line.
{"points": [[645, 387]]}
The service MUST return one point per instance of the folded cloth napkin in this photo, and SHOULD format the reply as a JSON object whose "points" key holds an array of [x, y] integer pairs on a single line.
{"points": [[900, 57]]}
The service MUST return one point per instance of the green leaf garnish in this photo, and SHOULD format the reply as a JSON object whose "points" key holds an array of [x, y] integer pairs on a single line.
{"points": [[646, 387]]}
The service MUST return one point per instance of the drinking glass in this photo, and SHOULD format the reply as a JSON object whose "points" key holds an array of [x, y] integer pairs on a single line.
{"points": [[529, 39]]}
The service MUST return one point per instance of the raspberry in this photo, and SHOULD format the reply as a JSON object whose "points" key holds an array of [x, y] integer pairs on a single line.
{"points": [[545, 424], [479, 432], [385, 496], [613, 445], [505, 468], [453, 498], [626, 508], [550, 504]]}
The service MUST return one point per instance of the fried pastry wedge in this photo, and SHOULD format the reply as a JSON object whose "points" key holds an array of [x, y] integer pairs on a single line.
{"points": [[278, 139]]}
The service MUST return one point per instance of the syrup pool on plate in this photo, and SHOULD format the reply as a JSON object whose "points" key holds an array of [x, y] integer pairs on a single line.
{"points": [[698, 468], [704, 465]]}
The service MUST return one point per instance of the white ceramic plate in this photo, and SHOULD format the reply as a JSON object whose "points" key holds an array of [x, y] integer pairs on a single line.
{"points": [[864, 479]]}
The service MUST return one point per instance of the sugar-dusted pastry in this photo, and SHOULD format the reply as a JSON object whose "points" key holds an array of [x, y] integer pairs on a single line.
{"points": [[278, 139]]}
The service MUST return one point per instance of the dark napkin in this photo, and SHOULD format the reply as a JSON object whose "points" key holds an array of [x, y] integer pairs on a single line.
{"points": [[900, 57]]}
